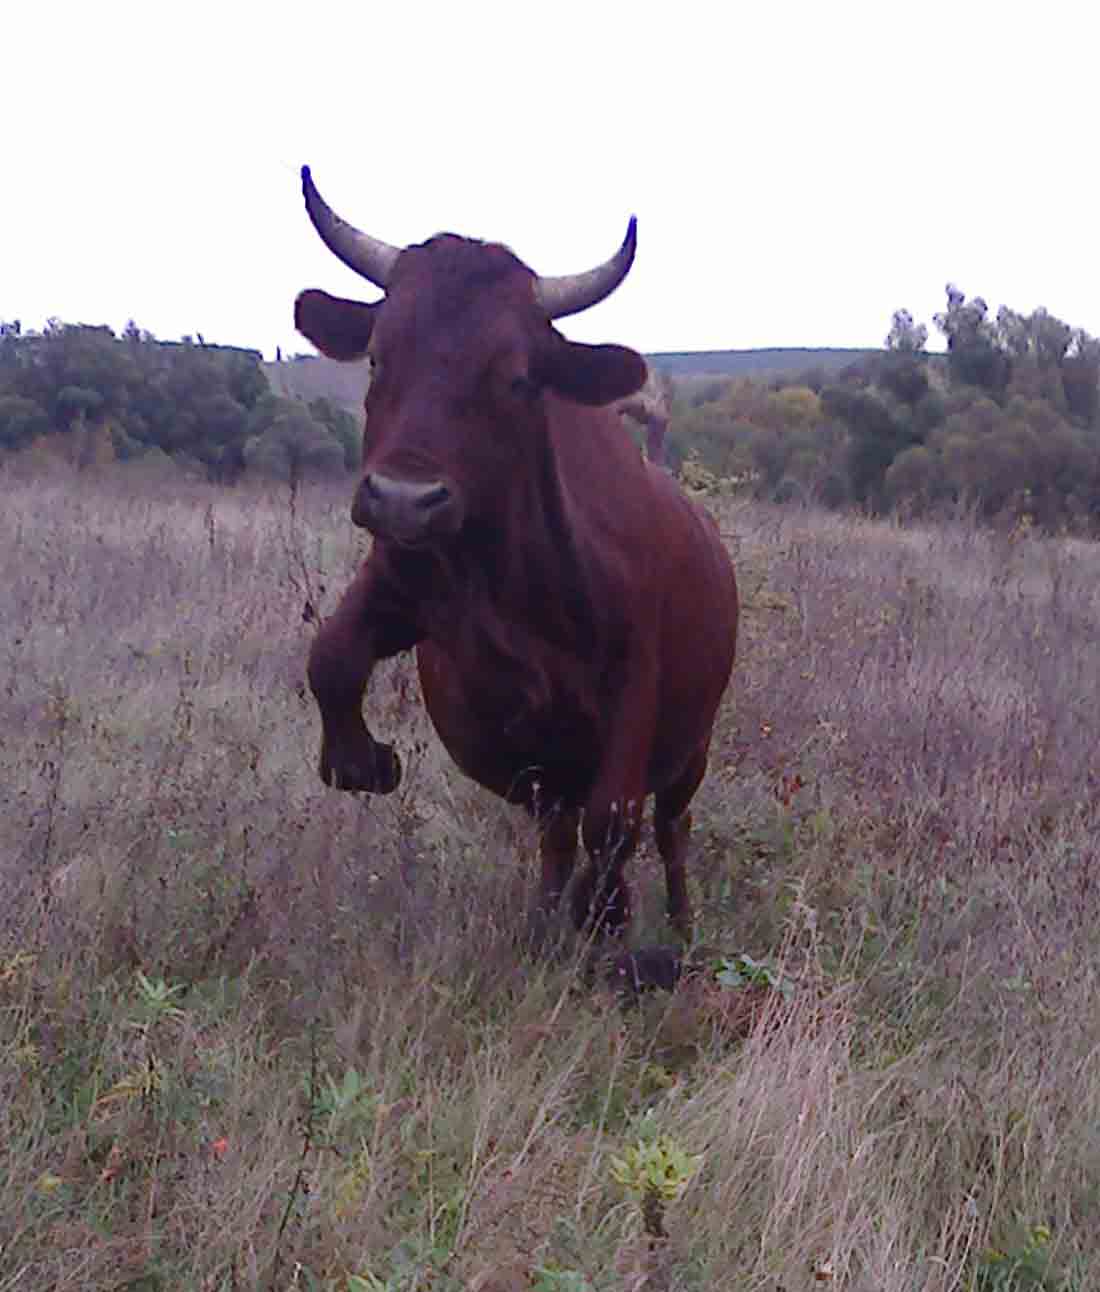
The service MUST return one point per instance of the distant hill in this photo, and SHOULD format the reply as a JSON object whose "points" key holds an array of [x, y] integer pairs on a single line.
{"points": [[308, 376], [750, 363]]}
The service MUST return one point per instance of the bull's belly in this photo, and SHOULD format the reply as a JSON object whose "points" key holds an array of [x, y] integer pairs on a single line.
{"points": [[548, 755], [532, 755]]}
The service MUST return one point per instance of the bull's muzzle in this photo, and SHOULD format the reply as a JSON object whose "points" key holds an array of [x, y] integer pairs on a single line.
{"points": [[406, 511]]}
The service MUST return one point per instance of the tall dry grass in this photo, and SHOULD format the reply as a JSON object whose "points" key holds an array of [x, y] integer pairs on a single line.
{"points": [[256, 1034]]}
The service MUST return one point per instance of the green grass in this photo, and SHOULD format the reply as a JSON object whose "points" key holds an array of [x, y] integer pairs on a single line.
{"points": [[256, 1034]]}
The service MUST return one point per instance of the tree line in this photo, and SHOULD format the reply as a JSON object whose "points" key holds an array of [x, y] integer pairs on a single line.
{"points": [[91, 396], [1007, 420]]}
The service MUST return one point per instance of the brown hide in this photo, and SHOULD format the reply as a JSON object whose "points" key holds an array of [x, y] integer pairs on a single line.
{"points": [[574, 615]]}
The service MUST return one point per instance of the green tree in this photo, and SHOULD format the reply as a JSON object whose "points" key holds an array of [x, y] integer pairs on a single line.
{"points": [[914, 479], [21, 420], [294, 445], [344, 428], [974, 353], [906, 336], [245, 379], [220, 429], [75, 404], [877, 434], [1081, 377]]}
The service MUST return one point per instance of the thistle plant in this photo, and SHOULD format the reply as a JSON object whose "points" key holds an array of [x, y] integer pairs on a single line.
{"points": [[654, 1172]]}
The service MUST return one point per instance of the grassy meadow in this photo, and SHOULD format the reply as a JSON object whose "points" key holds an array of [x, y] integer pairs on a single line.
{"points": [[255, 1034]]}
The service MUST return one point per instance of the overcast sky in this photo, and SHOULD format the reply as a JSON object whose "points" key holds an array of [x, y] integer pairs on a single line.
{"points": [[799, 171]]}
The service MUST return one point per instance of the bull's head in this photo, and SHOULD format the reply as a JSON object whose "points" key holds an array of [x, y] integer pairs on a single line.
{"points": [[463, 358]]}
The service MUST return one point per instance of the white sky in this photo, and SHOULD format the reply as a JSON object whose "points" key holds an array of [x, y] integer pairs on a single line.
{"points": [[799, 170]]}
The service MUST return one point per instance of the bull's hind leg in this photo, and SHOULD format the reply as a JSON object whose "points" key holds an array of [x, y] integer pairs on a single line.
{"points": [[558, 852], [558, 834], [672, 826]]}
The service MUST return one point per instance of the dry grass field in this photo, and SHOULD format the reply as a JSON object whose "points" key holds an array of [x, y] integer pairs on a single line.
{"points": [[255, 1034]]}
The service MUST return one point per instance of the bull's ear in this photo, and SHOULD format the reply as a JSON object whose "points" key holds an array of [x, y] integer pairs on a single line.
{"points": [[591, 374], [338, 328]]}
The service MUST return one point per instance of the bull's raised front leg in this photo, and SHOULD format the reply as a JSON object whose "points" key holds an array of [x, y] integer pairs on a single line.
{"points": [[369, 624]]}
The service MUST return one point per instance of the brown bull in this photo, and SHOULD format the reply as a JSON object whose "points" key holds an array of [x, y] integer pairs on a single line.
{"points": [[574, 616]]}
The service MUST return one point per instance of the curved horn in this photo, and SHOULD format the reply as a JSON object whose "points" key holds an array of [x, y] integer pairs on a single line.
{"points": [[369, 257], [575, 292]]}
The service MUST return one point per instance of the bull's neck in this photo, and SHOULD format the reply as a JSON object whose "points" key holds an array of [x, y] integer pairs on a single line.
{"points": [[520, 563]]}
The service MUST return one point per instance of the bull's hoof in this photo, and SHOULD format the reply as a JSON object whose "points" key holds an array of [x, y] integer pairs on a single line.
{"points": [[376, 770]]}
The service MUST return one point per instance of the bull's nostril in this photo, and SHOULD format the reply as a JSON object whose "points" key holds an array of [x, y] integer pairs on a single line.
{"points": [[433, 498], [405, 510]]}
